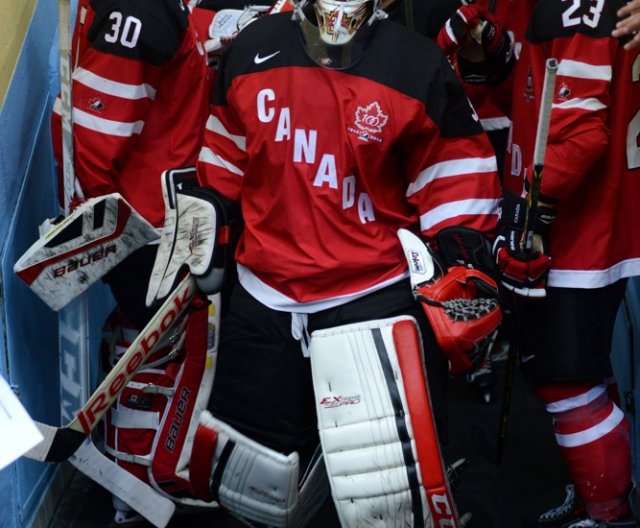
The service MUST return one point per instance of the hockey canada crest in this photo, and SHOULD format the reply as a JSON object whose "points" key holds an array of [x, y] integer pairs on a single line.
{"points": [[369, 121], [370, 118]]}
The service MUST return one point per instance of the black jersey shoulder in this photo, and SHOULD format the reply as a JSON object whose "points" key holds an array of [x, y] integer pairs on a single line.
{"points": [[415, 66], [396, 57], [553, 19], [146, 30], [428, 15]]}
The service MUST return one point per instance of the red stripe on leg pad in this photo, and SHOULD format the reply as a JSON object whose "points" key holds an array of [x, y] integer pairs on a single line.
{"points": [[204, 447], [408, 348]]}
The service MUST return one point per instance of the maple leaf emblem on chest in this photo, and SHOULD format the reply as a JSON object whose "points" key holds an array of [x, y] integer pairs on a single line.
{"points": [[371, 118]]}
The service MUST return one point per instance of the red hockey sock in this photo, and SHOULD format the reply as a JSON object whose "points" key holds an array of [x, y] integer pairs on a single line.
{"points": [[593, 435]]}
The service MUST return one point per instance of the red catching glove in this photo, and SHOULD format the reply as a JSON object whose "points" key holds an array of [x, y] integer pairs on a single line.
{"points": [[523, 272]]}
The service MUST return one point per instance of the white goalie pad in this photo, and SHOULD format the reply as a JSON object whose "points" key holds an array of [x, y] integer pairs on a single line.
{"points": [[189, 235], [258, 484], [82, 248], [376, 427]]}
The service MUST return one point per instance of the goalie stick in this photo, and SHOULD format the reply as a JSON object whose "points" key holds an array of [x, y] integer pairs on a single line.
{"points": [[73, 320], [61, 442]]}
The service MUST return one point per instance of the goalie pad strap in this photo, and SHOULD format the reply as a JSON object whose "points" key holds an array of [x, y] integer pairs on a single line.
{"points": [[135, 419], [141, 460]]}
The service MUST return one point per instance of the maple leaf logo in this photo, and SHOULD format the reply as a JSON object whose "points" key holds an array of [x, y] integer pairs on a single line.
{"points": [[370, 118]]}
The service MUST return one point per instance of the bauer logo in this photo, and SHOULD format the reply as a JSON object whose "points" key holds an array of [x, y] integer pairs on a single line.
{"points": [[416, 261], [177, 419], [337, 401], [84, 261]]}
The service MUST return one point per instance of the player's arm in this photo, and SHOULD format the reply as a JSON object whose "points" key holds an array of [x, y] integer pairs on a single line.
{"points": [[115, 84], [578, 132], [453, 175], [223, 157]]}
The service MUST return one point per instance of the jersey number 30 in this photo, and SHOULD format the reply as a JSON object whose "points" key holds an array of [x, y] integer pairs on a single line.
{"points": [[127, 34]]}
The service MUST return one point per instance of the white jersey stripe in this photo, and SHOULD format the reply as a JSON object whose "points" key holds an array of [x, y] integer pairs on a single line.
{"points": [[592, 433], [216, 126], [593, 278], [279, 301], [584, 70], [208, 156], [574, 402], [106, 126], [459, 208], [457, 167], [590, 103], [109, 87]]}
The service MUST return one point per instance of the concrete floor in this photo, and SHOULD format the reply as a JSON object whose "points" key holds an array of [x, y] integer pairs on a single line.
{"points": [[530, 477]]}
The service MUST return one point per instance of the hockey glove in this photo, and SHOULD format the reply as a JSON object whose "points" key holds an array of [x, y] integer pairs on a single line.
{"points": [[523, 272], [474, 24]]}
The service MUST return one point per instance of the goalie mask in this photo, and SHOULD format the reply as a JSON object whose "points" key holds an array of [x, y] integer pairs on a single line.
{"points": [[335, 32], [463, 309]]}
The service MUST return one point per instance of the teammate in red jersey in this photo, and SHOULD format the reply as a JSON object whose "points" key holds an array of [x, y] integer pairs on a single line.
{"points": [[569, 291], [132, 119], [331, 130]]}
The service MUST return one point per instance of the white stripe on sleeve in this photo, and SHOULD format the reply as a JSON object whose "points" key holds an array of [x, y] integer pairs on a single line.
{"points": [[210, 157], [456, 167], [106, 126], [216, 126], [109, 87]]}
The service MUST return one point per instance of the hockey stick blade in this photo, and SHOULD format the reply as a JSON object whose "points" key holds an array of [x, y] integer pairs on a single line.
{"points": [[61, 442]]}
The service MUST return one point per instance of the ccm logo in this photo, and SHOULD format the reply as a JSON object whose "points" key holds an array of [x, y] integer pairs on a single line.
{"points": [[73, 265], [101, 401], [441, 510]]}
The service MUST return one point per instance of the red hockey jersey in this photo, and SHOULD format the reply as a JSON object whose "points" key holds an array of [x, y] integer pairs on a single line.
{"points": [[592, 164], [327, 164], [141, 92]]}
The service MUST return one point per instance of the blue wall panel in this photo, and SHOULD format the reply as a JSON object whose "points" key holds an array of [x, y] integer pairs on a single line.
{"points": [[29, 329]]}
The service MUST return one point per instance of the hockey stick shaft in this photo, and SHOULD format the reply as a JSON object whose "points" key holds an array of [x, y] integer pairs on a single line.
{"points": [[64, 34], [61, 442], [542, 134]]}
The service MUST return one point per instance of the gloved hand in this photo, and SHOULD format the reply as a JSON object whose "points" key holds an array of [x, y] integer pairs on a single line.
{"points": [[470, 21], [523, 272], [471, 24]]}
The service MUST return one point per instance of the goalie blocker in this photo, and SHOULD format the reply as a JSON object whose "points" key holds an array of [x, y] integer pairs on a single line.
{"points": [[81, 248], [379, 441]]}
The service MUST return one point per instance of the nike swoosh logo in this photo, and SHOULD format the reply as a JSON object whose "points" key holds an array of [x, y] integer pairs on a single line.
{"points": [[259, 60]]}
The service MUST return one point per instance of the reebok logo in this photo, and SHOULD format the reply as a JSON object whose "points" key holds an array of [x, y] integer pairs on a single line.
{"points": [[259, 60]]}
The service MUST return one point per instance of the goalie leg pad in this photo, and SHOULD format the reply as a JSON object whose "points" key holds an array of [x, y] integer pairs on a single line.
{"points": [[376, 427], [256, 483]]}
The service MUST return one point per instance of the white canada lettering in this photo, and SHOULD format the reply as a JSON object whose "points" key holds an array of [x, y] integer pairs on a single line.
{"points": [[327, 172], [348, 191], [305, 150], [265, 113], [284, 125], [365, 208], [302, 143]]}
